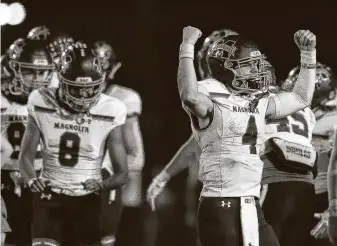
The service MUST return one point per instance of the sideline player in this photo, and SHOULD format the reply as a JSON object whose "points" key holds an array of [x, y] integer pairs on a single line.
{"points": [[28, 66], [126, 210], [290, 167], [332, 191], [325, 112], [76, 124], [228, 119], [6, 151]]}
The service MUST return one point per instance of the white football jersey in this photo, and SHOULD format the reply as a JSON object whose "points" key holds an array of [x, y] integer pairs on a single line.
{"points": [[230, 165], [13, 126], [74, 145], [297, 129], [133, 103]]}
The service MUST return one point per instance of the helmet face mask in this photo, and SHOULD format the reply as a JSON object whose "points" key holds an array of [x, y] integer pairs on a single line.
{"points": [[33, 68], [243, 64], [81, 78]]}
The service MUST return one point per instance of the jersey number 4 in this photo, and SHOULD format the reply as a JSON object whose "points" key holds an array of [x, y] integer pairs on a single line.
{"points": [[285, 126], [15, 133], [250, 136], [69, 149]]}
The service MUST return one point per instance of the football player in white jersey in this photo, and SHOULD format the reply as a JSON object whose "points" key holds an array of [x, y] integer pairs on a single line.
{"points": [[227, 115], [188, 154], [28, 66], [77, 124], [290, 164], [6, 151], [332, 190], [130, 195]]}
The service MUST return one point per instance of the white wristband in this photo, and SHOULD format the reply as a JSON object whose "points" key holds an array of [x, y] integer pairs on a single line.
{"points": [[186, 51], [308, 58]]}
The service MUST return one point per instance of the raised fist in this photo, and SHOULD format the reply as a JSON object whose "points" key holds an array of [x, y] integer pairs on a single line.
{"points": [[305, 40], [191, 35]]}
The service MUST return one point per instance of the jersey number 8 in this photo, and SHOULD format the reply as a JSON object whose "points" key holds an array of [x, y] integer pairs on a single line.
{"points": [[69, 149]]}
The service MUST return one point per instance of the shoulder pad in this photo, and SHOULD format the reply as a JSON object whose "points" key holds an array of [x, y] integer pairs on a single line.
{"points": [[213, 87], [43, 98], [129, 97], [108, 106], [5, 103]]}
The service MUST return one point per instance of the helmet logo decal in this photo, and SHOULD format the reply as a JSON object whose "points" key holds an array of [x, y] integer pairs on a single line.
{"points": [[228, 46]]}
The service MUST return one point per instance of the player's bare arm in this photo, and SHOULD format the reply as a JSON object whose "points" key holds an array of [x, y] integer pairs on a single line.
{"points": [[30, 142], [332, 191], [301, 95], [186, 155], [116, 149], [6, 150], [133, 144], [197, 103]]}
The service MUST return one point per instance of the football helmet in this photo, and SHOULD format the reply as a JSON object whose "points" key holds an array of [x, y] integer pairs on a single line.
{"points": [[239, 64], [58, 45], [107, 57], [39, 33], [208, 42], [81, 77], [325, 94], [31, 64]]}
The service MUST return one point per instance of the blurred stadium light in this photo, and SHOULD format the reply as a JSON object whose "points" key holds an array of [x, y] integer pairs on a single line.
{"points": [[12, 14]]}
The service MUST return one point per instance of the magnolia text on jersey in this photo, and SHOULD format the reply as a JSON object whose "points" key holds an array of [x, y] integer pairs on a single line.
{"points": [[298, 151], [245, 110], [14, 118], [71, 127]]}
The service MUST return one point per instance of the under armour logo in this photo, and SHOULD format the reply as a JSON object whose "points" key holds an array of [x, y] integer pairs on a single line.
{"points": [[44, 196], [226, 204]]}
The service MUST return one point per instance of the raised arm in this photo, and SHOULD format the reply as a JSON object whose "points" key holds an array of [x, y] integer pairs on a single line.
{"points": [[286, 103], [197, 103]]}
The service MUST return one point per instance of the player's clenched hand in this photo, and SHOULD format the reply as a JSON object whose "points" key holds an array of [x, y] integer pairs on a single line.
{"points": [[332, 225], [321, 229], [191, 35], [93, 185], [305, 40], [38, 184]]}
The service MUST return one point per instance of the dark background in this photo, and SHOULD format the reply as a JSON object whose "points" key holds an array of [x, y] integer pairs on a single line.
{"points": [[146, 35]]}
